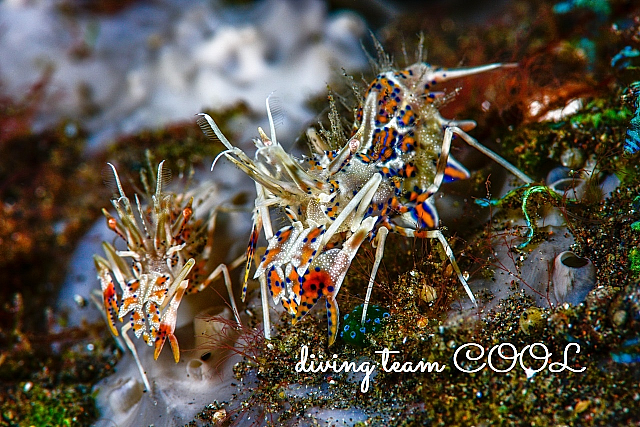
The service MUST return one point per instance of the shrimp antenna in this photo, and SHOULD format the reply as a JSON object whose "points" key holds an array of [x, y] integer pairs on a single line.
{"points": [[218, 158], [211, 129], [118, 184], [272, 125]]}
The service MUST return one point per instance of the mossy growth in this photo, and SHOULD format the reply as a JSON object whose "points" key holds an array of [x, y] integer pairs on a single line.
{"points": [[598, 128], [634, 260], [34, 405], [41, 386], [598, 113], [634, 252]]}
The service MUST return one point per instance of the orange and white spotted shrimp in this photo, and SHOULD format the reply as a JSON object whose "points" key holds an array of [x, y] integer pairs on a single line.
{"points": [[383, 179], [165, 247]]}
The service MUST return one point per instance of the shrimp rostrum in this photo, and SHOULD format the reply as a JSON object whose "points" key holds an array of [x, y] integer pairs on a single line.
{"points": [[382, 179]]}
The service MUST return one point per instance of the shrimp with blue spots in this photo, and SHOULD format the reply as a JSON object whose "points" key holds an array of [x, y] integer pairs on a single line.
{"points": [[382, 179]]}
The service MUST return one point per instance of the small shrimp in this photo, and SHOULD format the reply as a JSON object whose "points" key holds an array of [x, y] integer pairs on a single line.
{"points": [[162, 242]]}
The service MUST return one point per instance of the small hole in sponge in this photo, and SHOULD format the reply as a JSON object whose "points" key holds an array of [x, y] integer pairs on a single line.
{"points": [[573, 261]]}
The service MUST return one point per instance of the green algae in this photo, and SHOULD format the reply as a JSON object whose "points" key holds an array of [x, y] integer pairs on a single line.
{"points": [[597, 114], [42, 386], [634, 260], [598, 128], [34, 405]]}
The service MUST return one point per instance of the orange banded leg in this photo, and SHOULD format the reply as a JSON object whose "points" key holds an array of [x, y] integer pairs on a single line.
{"points": [[109, 296], [251, 250]]}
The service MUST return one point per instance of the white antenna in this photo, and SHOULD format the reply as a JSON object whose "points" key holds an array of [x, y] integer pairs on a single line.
{"points": [[115, 174], [272, 125], [211, 129], [218, 158]]}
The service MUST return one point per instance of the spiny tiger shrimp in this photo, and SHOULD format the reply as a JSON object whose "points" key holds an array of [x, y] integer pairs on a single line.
{"points": [[383, 179], [168, 259]]}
